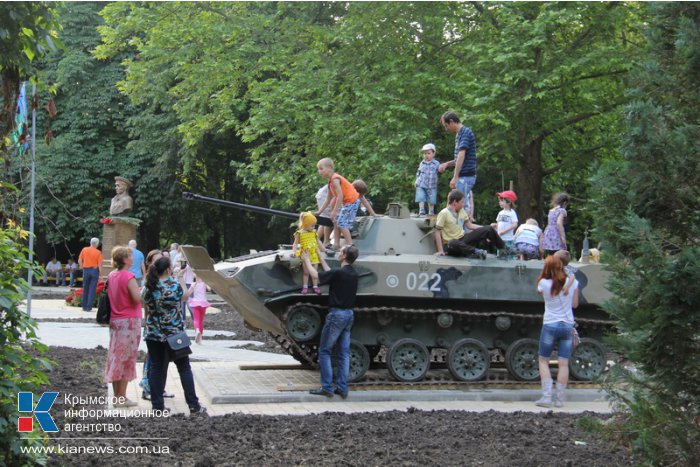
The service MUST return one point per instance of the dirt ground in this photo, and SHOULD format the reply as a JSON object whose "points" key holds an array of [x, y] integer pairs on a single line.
{"points": [[392, 438]]}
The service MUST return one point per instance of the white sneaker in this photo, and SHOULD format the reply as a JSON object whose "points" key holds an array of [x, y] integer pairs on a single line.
{"points": [[198, 338], [126, 403]]}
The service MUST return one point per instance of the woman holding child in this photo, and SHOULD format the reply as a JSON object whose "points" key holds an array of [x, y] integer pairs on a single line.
{"points": [[557, 326]]}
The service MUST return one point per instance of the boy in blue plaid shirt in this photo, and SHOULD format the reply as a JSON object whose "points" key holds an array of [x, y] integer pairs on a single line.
{"points": [[426, 180]]}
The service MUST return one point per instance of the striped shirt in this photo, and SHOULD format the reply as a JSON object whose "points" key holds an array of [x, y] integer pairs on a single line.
{"points": [[465, 139]]}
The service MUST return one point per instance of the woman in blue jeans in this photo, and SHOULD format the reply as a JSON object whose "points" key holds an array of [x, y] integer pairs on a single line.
{"points": [[557, 324], [162, 296]]}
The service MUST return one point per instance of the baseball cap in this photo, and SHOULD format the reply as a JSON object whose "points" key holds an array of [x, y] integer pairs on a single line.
{"points": [[428, 147], [508, 194]]}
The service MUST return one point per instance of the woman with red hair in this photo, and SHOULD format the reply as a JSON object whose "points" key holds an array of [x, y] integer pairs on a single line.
{"points": [[557, 325]]}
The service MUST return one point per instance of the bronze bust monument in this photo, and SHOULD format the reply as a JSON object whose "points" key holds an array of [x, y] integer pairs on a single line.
{"points": [[122, 203]]}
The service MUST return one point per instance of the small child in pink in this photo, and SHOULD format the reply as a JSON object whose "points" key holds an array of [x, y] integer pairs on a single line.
{"points": [[199, 304]]}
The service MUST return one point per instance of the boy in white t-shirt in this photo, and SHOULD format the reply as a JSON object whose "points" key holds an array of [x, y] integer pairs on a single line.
{"points": [[507, 219], [324, 231]]}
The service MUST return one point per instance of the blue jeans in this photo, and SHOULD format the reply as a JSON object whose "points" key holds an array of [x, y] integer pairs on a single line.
{"points": [[90, 278], [159, 359], [335, 336], [466, 184], [559, 333]]}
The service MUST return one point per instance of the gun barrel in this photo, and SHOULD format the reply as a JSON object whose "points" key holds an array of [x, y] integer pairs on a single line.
{"points": [[232, 204]]}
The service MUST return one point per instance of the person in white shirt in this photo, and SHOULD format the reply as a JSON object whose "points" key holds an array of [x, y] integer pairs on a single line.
{"points": [[528, 240], [175, 255], [557, 326], [54, 270], [70, 270], [507, 219]]}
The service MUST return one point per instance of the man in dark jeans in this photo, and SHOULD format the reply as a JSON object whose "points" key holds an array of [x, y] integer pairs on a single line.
{"points": [[90, 260], [449, 231], [336, 330]]}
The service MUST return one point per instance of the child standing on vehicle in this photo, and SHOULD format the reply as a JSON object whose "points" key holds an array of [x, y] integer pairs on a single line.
{"points": [[343, 199], [324, 230], [507, 219], [305, 239], [198, 303], [528, 240], [362, 189], [554, 234], [427, 181]]}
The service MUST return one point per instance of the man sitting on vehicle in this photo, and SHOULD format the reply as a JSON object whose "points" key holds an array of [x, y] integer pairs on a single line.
{"points": [[449, 230]]}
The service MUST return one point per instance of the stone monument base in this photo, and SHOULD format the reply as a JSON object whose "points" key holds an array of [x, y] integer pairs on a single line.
{"points": [[117, 234]]}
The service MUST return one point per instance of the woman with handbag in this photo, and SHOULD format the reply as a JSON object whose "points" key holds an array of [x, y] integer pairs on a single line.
{"points": [[124, 325], [557, 326], [165, 334]]}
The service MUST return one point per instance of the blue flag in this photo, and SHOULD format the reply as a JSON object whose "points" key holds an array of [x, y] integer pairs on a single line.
{"points": [[20, 135]]}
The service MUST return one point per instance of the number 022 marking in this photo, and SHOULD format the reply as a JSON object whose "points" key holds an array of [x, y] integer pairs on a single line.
{"points": [[420, 281]]}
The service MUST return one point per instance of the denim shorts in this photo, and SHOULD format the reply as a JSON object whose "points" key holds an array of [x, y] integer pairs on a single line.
{"points": [[556, 333], [426, 195], [347, 214]]}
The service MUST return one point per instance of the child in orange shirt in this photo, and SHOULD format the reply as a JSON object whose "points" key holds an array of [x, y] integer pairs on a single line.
{"points": [[343, 199]]}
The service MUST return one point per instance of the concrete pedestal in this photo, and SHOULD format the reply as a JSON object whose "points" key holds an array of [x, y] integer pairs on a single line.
{"points": [[117, 234]]}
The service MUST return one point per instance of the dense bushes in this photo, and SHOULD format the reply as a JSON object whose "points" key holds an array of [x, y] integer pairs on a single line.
{"points": [[21, 371]]}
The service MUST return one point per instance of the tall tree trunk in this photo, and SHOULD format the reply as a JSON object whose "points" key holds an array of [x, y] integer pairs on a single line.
{"points": [[10, 92], [530, 181]]}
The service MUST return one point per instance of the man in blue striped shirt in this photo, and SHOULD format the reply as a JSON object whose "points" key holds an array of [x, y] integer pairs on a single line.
{"points": [[464, 161]]}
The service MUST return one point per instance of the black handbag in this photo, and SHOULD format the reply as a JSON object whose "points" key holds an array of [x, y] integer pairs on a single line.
{"points": [[179, 345], [104, 308]]}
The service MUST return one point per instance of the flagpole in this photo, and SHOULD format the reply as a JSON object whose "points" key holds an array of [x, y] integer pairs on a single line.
{"points": [[31, 204]]}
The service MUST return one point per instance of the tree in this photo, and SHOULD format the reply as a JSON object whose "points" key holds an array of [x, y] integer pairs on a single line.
{"points": [[27, 31], [365, 83], [544, 82], [75, 172], [539, 84], [648, 210]]}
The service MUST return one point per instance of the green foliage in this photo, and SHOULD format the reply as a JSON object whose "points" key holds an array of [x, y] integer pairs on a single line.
{"points": [[75, 174], [269, 88], [648, 210], [21, 371], [545, 82], [28, 30]]}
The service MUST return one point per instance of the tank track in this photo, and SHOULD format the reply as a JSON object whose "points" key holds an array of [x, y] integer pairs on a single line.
{"points": [[307, 354]]}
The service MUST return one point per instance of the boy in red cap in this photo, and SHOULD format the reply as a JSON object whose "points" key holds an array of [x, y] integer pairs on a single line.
{"points": [[507, 219]]}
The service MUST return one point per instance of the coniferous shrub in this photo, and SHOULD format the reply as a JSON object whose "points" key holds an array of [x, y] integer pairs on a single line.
{"points": [[648, 210]]}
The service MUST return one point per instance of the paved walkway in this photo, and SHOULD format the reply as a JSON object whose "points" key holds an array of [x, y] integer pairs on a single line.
{"points": [[223, 387]]}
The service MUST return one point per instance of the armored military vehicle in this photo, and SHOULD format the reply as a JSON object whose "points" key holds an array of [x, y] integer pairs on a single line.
{"points": [[414, 309]]}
